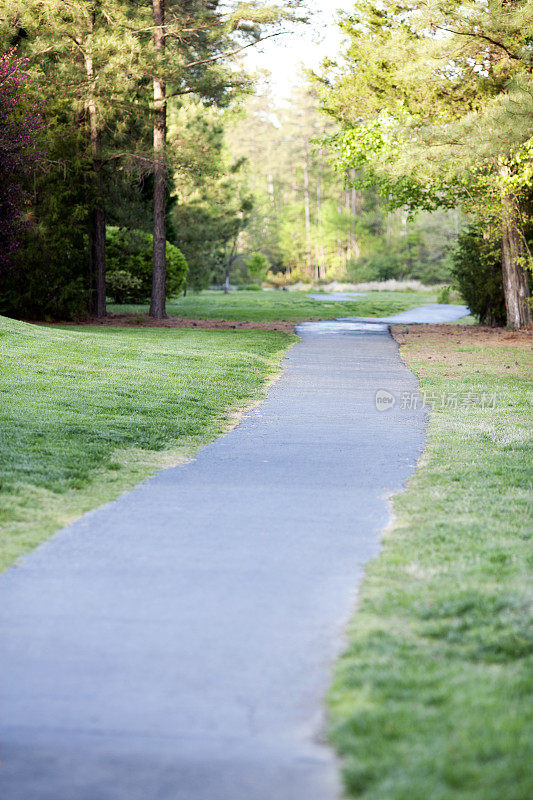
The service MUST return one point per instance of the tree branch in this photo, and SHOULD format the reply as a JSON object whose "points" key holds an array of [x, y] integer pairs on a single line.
{"points": [[136, 156], [78, 45], [179, 92], [481, 36], [234, 52]]}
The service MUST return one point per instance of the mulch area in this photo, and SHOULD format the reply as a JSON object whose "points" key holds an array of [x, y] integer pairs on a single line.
{"points": [[459, 334], [464, 335], [470, 348], [144, 321]]}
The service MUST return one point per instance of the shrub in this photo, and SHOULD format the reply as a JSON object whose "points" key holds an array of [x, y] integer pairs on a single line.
{"points": [[378, 266], [122, 286], [49, 275], [444, 294], [257, 264], [277, 278], [19, 122], [130, 251], [249, 287], [285, 278], [477, 272], [386, 266]]}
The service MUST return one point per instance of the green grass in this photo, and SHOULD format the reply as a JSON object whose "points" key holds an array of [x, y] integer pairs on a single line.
{"points": [[269, 306], [468, 320], [87, 413], [433, 699]]}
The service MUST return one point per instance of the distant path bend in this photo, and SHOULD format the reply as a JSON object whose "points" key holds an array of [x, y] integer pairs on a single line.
{"points": [[177, 644]]}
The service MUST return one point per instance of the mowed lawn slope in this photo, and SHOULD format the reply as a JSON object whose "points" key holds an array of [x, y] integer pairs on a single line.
{"points": [[87, 413], [271, 306], [433, 699]]}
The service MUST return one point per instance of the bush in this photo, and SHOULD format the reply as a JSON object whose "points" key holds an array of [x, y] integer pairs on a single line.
{"points": [[196, 234], [249, 287], [49, 276], [386, 266], [130, 252], [444, 294], [377, 266], [122, 286], [282, 278], [277, 279], [257, 264], [477, 272]]}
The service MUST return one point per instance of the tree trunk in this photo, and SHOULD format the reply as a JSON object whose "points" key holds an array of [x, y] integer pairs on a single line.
{"points": [[348, 209], [341, 244], [226, 269], [319, 249], [294, 184], [307, 208], [97, 217], [229, 261], [409, 260], [270, 184], [514, 260], [356, 250], [354, 243], [157, 304], [97, 251]]}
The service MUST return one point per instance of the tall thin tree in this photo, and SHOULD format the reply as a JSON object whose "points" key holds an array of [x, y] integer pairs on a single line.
{"points": [[157, 303]]}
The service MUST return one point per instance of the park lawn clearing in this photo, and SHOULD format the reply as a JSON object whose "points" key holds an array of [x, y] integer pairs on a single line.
{"points": [[433, 698], [88, 413], [279, 306]]}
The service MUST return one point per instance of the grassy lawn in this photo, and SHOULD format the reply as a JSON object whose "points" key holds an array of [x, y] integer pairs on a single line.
{"points": [[87, 413], [286, 306], [433, 699]]}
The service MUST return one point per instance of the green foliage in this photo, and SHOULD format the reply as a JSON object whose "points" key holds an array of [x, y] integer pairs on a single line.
{"points": [[476, 269], [319, 224], [445, 294], [257, 264], [434, 104], [49, 277], [207, 229], [131, 252], [214, 200], [97, 60], [380, 265], [123, 287], [429, 134], [197, 235]]}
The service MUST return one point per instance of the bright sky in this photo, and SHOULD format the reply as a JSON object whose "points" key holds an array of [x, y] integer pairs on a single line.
{"points": [[307, 44]]}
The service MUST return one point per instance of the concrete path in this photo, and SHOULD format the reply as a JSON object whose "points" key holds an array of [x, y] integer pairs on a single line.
{"points": [[430, 313], [177, 644]]}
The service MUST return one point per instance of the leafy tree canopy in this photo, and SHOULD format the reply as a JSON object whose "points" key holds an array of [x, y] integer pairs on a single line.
{"points": [[432, 97]]}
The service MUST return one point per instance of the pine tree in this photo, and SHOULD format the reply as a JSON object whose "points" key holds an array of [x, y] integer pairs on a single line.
{"points": [[194, 42], [435, 105], [87, 54]]}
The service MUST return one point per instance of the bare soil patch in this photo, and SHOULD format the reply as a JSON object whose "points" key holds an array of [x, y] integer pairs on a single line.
{"points": [[144, 321], [470, 347]]}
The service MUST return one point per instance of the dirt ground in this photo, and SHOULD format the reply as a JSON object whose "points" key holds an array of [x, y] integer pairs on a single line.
{"points": [[144, 321], [472, 347], [464, 334]]}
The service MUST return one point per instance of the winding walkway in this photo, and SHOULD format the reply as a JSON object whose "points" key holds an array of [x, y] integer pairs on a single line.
{"points": [[177, 644]]}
